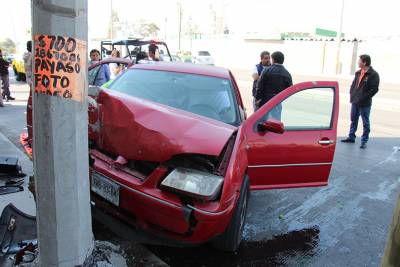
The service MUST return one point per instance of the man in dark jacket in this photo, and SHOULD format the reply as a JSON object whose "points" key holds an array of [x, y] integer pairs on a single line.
{"points": [[365, 85], [273, 80], [4, 64]]}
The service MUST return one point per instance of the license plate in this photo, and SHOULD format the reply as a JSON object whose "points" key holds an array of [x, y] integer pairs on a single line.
{"points": [[106, 188]]}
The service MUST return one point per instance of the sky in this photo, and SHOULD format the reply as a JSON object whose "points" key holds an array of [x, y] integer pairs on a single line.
{"points": [[362, 18]]}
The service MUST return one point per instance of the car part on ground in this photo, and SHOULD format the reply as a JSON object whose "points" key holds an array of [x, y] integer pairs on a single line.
{"points": [[9, 167], [10, 189], [17, 230]]}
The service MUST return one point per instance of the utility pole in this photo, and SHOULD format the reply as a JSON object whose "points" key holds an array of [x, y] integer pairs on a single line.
{"points": [[339, 40], [165, 30], [354, 57], [111, 20], [60, 133], [180, 24]]}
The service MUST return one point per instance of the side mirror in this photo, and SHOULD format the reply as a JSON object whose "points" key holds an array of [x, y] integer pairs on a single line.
{"points": [[271, 126]]}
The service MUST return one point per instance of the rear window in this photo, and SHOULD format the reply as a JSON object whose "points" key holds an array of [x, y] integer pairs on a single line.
{"points": [[204, 53], [203, 95]]}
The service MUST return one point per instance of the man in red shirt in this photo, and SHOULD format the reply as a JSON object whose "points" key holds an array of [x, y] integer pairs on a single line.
{"points": [[365, 85]]}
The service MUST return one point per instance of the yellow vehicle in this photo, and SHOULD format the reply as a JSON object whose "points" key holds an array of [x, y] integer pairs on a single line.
{"points": [[19, 68]]}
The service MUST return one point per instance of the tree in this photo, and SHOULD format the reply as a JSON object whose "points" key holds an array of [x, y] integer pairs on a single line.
{"points": [[191, 29], [146, 29], [115, 25], [8, 46]]}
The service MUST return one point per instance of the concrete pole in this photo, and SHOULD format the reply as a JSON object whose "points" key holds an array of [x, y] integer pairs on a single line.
{"points": [[111, 20], [354, 58], [165, 30], [323, 58], [180, 25], [339, 40], [391, 256], [60, 142]]}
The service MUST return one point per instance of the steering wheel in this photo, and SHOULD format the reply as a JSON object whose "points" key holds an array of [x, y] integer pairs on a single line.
{"points": [[205, 110]]}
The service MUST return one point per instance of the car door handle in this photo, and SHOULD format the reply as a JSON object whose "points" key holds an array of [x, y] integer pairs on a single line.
{"points": [[325, 142]]}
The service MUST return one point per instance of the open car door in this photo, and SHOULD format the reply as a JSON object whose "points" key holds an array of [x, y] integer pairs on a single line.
{"points": [[291, 140]]}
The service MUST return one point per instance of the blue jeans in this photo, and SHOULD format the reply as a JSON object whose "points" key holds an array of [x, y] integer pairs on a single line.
{"points": [[276, 112], [356, 112]]}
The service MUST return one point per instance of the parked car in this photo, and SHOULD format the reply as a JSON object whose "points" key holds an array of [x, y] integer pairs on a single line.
{"points": [[172, 152], [19, 68], [203, 57]]}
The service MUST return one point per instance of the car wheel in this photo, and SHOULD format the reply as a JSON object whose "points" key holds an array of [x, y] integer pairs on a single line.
{"points": [[21, 77], [232, 237], [18, 77]]}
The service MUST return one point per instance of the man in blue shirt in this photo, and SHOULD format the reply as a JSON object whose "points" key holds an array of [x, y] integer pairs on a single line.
{"points": [[104, 73], [265, 61]]}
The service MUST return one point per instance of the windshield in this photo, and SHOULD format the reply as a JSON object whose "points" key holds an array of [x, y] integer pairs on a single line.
{"points": [[203, 95], [204, 53]]}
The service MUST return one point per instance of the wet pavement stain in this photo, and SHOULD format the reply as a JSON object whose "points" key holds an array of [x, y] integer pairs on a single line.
{"points": [[293, 248]]}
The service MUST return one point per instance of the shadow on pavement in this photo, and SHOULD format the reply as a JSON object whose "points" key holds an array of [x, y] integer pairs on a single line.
{"points": [[278, 251]]}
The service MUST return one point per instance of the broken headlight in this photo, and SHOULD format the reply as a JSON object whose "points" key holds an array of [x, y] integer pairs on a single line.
{"points": [[193, 183]]}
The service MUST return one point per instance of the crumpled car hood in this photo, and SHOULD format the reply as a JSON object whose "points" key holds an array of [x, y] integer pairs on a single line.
{"points": [[142, 130]]}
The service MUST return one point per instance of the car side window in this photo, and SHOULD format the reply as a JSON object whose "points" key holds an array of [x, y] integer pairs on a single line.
{"points": [[92, 74], [310, 109]]}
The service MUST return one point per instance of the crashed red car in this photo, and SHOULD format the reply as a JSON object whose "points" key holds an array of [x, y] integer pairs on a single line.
{"points": [[173, 153]]}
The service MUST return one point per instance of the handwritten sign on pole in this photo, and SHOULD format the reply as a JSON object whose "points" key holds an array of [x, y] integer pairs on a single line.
{"points": [[58, 63]]}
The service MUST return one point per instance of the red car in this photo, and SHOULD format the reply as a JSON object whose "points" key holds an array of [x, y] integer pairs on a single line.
{"points": [[171, 150]]}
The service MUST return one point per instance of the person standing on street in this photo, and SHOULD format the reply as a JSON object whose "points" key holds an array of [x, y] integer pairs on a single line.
{"points": [[104, 74], [365, 85], [273, 80], [4, 64], [94, 56], [115, 68], [257, 70], [27, 57]]}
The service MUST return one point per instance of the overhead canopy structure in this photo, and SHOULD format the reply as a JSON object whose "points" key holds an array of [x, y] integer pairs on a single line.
{"points": [[131, 47]]}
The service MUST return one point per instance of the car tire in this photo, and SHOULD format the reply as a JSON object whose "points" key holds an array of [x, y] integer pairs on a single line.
{"points": [[21, 77], [232, 237]]}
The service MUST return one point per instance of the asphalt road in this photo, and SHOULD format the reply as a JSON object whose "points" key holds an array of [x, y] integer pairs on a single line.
{"points": [[343, 224]]}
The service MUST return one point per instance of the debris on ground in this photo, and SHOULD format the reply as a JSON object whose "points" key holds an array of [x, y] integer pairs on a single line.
{"points": [[106, 254], [10, 168]]}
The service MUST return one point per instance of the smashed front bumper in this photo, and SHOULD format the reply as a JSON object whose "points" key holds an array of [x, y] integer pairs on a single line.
{"points": [[143, 205]]}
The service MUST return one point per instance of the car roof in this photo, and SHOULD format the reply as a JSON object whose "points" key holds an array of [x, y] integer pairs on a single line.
{"points": [[185, 68]]}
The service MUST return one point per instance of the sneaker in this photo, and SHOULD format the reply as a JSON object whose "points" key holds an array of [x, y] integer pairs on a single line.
{"points": [[363, 145], [10, 98], [348, 140]]}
